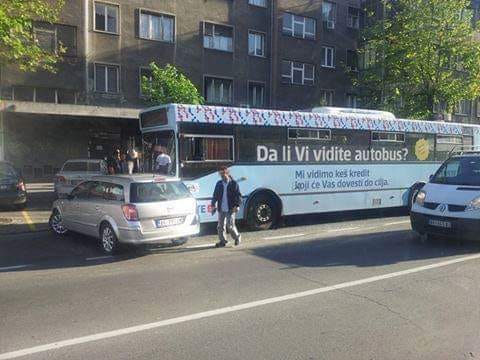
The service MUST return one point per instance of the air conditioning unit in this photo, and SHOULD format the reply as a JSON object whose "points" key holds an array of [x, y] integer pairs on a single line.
{"points": [[330, 24]]}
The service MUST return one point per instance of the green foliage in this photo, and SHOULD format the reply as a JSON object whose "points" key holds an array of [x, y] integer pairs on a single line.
{"points": [[422, 52], [168, 85], [17, 42]]}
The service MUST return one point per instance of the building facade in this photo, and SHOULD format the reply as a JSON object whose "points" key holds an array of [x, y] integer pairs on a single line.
{"points": [[282, 54]]}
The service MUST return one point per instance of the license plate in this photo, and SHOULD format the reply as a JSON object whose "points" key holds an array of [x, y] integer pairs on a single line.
{"points": [[168, 222], [440, 223]]}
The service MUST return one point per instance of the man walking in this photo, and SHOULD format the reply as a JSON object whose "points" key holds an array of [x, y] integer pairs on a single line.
{"points": [[226, 199]]}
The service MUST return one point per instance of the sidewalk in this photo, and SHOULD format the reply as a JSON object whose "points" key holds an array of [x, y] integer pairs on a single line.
{"points": [[35, 216]]}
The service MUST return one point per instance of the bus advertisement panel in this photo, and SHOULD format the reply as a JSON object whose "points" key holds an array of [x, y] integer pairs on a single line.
{"points": [[290, 163]]}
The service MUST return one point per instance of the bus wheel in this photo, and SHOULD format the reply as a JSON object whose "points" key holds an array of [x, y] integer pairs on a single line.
{"points": [[262, 213]]}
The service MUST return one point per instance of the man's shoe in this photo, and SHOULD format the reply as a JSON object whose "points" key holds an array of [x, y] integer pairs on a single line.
{"points": [[238, 241], [220, 244]]}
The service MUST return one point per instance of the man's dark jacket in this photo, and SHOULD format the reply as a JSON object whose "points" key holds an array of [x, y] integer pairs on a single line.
{"points": [[233, 195]]}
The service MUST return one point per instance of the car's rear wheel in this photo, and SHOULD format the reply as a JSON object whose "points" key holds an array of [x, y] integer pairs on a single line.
{"points": [[109, 241], [56, 223]]}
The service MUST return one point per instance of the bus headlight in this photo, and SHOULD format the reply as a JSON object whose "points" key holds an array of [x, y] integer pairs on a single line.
{"points": [[474, 204], [421, 196]]}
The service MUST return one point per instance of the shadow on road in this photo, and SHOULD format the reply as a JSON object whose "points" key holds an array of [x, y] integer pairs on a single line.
{"points": [[366, 250]]}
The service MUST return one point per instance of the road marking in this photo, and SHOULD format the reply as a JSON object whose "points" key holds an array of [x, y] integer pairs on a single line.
{"points": [[283, 236], [344, 229], [99, 257], [28, 220], [228, 309], [14, 267], [397, 223], [200, 246]]}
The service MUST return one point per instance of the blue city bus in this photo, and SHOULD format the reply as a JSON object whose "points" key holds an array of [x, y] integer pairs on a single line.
{"points": [[299, 162]]}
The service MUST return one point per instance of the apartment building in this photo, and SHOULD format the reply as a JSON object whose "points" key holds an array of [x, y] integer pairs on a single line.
{"points": [[284, 54]]}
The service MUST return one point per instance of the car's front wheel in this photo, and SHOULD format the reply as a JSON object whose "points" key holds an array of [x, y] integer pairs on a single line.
{"points": [[109, 240], [56, 223]]}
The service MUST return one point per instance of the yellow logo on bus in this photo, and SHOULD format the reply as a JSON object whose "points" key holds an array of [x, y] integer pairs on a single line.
{"points": [[422, 149]]}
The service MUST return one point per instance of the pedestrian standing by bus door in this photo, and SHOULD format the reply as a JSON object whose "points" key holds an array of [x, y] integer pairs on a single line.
{"points": [[226, 199]]}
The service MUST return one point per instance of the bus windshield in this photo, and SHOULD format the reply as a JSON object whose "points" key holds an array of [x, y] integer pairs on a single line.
{"points": [[459, 171], [159, 149]]}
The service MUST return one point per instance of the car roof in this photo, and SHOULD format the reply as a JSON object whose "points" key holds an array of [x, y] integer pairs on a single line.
{"points": [[127, 179]]}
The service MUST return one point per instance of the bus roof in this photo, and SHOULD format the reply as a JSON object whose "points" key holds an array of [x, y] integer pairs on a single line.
{"points": [[358, 120]]}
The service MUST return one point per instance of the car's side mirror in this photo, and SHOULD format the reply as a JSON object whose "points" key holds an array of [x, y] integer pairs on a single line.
{"points": [[430, 178]]}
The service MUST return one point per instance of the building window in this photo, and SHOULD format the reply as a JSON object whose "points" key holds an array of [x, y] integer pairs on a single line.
{"points": [[145, 73], [45, 38], [328, 56], [329, 10], [352, 60], [298, 26], [326, 97], [352, 101], [156, 26], [256, 43], [439, 107], [106, 78], [297, 73], [218, 91], [218, 37], [353, 18], [309, 134], [368, 57], [53, 37], [256, 95], [106, 17], [463, 108], [262, 3]]}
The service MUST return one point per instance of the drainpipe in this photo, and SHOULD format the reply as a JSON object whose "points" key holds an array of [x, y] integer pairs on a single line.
{"points": [[273, 54], [86, 41]]}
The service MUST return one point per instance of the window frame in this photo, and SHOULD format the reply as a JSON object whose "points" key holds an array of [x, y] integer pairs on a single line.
{"points": [[350, 25], [262, 83], [353, 97], [291, 82], [396, 140], [36, 28], [355, 52], [105, 31], [117, 66], [264, 49], [140, 68], [329, 131], [231, 137], [291, 32], [252, 3], [324, 57], [158, 14], [327, 91], [335, 12], [459, 111], [205, 76], [232, 27]]}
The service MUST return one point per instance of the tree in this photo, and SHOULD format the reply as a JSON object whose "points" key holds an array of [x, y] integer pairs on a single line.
{"points": [[168, 85], [18, 44], [421, 53]]}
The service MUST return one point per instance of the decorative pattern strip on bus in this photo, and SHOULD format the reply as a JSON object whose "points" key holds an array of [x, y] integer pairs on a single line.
{"points": [[243, 116]]}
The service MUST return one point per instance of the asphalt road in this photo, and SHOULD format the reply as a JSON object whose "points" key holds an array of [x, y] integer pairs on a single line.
{"points": [[352, 289]]}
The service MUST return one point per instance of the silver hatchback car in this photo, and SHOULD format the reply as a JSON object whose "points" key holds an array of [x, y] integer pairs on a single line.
{"points": [[131, 209]]}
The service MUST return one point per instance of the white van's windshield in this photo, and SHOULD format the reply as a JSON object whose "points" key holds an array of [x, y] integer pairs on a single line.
{"points": [[459, 171]]}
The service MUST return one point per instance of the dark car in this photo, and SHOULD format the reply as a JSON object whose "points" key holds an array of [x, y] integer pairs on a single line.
{"points": [[12, 187]]}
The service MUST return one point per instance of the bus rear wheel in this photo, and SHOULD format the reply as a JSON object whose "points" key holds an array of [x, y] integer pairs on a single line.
{"points": [[262, 213]]}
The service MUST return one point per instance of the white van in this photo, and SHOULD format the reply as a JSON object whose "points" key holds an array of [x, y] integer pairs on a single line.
{"points": [[449, 204]]}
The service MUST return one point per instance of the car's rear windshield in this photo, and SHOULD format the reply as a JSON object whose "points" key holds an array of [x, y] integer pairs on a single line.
{"points": [[6, 170], [459, 171], [81, 166], [158, 191]]}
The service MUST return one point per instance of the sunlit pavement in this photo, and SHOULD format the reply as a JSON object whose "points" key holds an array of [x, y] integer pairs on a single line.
{"points": [[353, 289]]}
